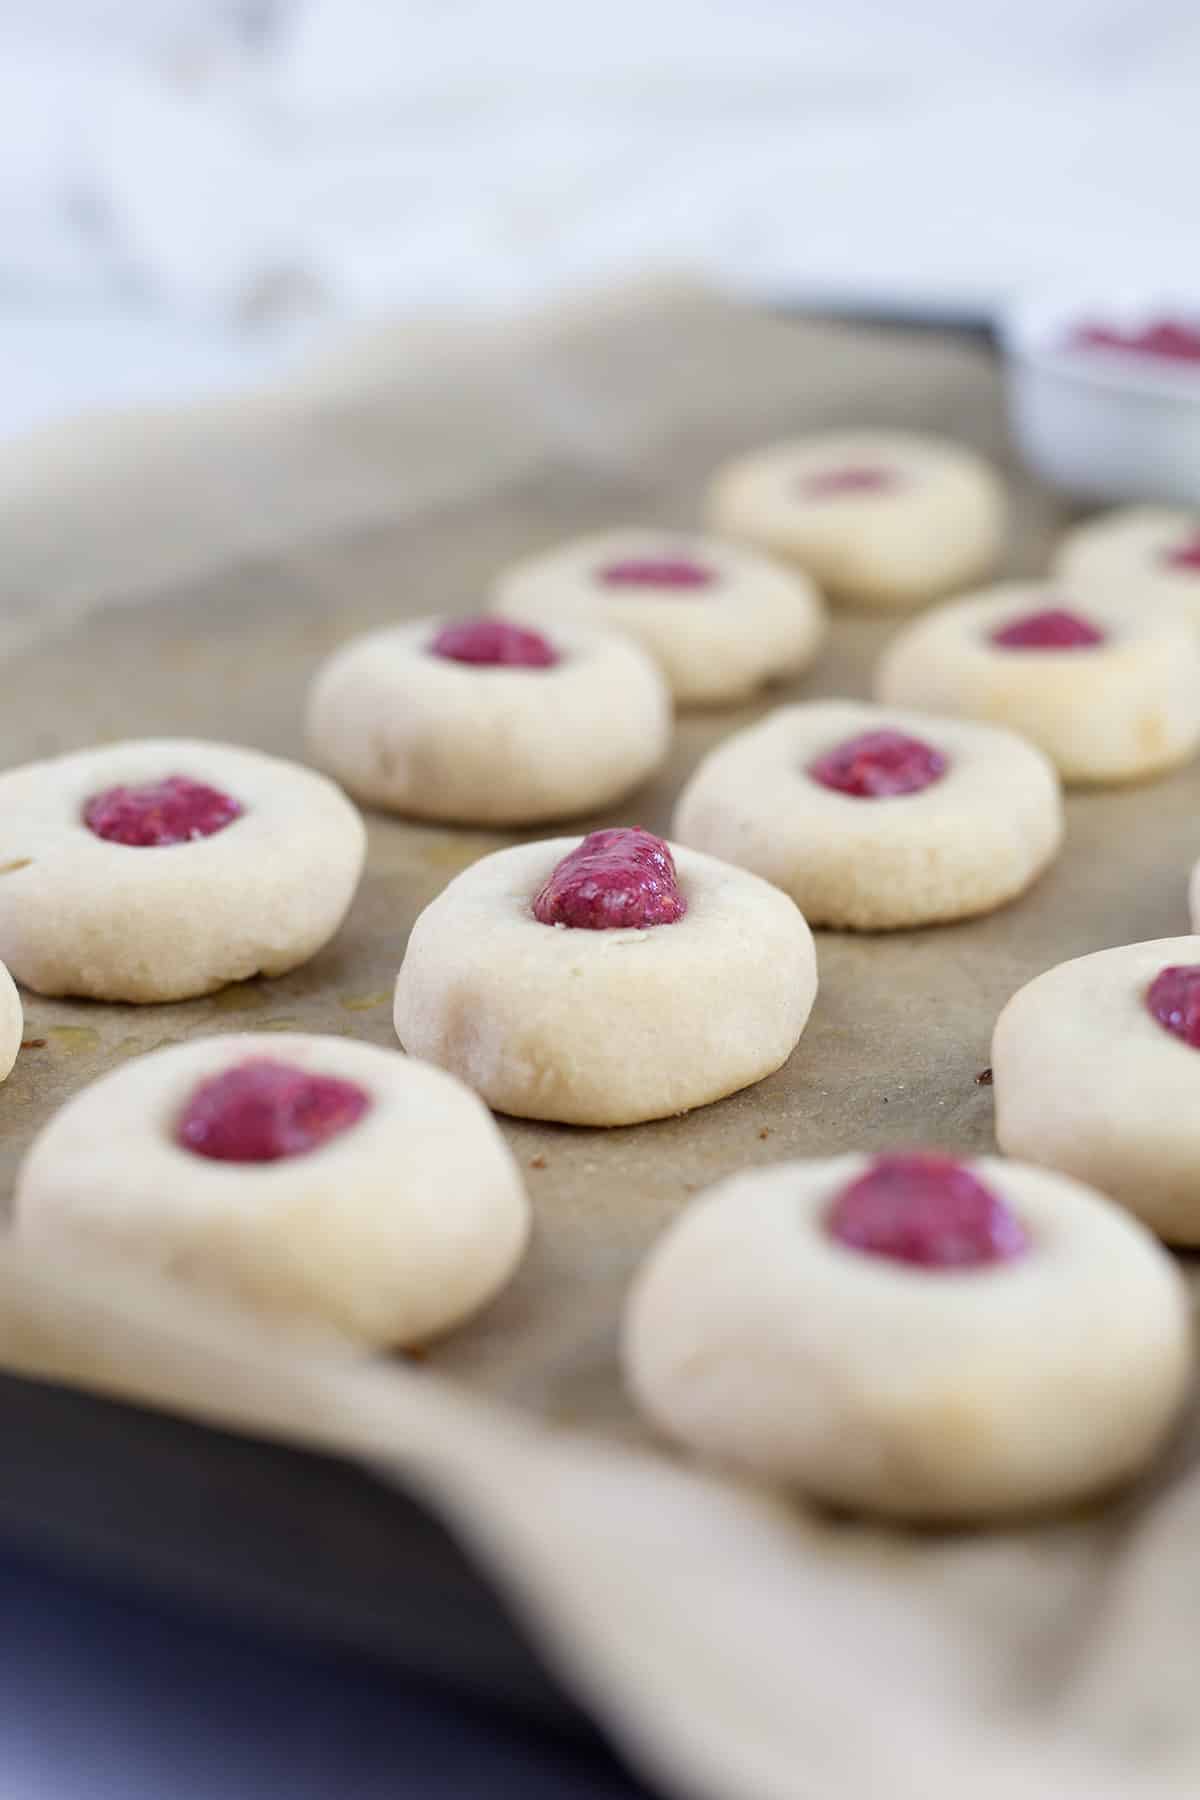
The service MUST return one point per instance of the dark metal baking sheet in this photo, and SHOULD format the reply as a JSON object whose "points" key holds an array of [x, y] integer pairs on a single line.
{"points": [[303, 1547]]}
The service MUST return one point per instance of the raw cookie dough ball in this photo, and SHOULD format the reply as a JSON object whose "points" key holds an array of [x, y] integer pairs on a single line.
{"points": [[718, 619], [479, 722], [1136, 554], [606, 980], [875, 819], [1096, 1068], [12, 1023], [878, 518], [1108, 693], [163, 868], [912, 1336], [308, 1177]]}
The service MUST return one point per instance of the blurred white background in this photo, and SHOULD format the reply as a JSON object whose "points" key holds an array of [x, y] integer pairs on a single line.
{"points": [[191, 191]]}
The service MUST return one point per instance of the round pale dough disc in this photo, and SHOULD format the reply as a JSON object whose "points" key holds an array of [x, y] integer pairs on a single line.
{"points": [[108, 921], [967, 843], [1127, 554], [438, 739], [716, 644], [1086, 1080], [755, 1337], [935, 522], [1116, 711], [12, 1023], [389, 1232], [605, 1027]]}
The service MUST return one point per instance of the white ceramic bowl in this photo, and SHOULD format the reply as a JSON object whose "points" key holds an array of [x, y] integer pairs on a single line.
{"points": [[1101, 423]]}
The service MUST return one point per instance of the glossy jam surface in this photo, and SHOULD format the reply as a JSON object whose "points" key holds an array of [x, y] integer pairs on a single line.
{"points": [[1051, 628], [494, 643], [1185, 556], [832, 484], [927, 1210], [667, 574], [175, 810], [1173, 998], [263, 1110], [1167, 340], [878, 765], [613, 881]]}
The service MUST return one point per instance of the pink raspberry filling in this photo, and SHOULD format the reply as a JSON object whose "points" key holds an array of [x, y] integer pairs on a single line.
{"points": [[928, 1210], [613, 881], [494, 643], [674, 574], [829, 484], [1169, 339], [1053, 628], [879, 765], [263, 1110], [1186, 556], [1173, 998], [176, 810]]}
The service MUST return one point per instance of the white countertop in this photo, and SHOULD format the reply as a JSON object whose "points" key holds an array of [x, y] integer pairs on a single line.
{"points": [[186, 184]]}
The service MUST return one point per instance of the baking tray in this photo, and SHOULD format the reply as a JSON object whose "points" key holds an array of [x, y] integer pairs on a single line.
{"points": [[606, 420], [297, 1547], [274, 1539]]}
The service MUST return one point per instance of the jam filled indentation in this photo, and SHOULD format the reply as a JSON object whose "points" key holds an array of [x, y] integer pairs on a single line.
{"points": [[1050, 628], [176, 810], [928, 1210], [263, 1110], [834, 484], [668, 574], [493, 644], [1185, 556], [1173, 998], [614, 880], [878, 765]]}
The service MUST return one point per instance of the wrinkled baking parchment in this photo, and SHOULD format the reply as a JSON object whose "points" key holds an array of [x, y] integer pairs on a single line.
{"points": [[185, 573]]}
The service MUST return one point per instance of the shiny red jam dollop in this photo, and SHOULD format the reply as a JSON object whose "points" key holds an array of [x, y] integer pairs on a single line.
{"points": [[263, 1110], [879, 765], [494, 643], [613, 881], [176, 810], [1185, 556], [1173, 998], [831, 484], [927, 1210], [1170, 340], [1053, 628], [671, 574]]}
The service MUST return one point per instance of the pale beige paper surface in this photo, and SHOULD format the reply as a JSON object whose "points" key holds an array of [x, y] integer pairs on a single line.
{"points": [[739, 1645]]}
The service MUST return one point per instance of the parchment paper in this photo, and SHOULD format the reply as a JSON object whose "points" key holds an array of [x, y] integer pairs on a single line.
{"points": [[186, 573]]}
